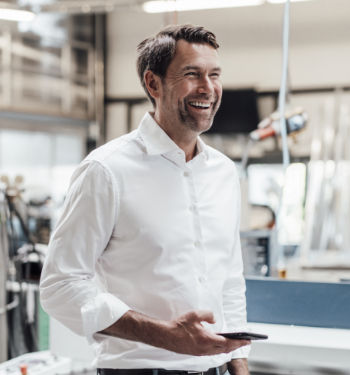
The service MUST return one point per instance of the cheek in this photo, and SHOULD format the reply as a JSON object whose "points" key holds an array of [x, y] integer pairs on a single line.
{"points": [[185, 89], [218, 89]]}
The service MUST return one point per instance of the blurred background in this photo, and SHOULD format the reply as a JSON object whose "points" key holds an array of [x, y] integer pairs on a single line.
{"points": [[68, 84]]}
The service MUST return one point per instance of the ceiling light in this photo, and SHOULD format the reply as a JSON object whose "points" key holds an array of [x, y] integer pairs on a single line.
{"points": [[183, 5], [86, 8], [283, 1], [16, 15], [109, 7]]}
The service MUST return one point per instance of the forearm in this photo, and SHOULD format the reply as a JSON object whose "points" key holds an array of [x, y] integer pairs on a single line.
{"points": [[134, 326], [238, 366], [184, 335]]}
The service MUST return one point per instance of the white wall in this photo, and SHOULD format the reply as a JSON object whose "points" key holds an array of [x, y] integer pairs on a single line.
{"points": [[250, 46], [116, 119], [45, 159]]}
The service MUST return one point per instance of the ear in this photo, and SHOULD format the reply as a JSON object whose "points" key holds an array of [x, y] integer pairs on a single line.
{"points": [[153, 85]]}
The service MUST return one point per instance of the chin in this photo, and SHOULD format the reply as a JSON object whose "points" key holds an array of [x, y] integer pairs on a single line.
{"points": [[203, 129], [204, 126]]}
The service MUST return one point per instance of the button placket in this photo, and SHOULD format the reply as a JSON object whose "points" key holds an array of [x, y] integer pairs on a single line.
{"points": [[197, 243]]}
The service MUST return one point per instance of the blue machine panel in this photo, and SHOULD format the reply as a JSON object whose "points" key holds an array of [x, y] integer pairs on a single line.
{"points": [[272, 301]]}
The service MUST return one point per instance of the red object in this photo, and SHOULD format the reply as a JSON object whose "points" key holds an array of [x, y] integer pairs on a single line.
{"points": [[24, 368], [265, 132]]}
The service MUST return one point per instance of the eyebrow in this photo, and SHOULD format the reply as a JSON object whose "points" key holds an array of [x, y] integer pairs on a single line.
{"points": [[196, 67]]}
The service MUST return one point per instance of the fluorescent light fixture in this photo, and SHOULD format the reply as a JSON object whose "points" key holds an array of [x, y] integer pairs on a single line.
{"points": [[283, 1], [183, 5], [16, 15]]}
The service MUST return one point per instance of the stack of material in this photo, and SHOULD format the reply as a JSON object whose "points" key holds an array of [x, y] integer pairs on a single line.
{"points": [[4, 251], [327, 212]]}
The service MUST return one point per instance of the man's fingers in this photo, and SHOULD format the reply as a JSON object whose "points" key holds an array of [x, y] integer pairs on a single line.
{"points": [[205, 316], [219, 340], [245, 342], [202, 341], [235, 344], [230, 347], [223, 342]]}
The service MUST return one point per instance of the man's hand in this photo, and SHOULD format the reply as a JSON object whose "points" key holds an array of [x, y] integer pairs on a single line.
{"points": [[190, 337], [238, 366], [184, 335]]}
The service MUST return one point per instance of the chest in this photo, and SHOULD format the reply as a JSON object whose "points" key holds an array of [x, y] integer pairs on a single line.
{"points": [[161, 201]]}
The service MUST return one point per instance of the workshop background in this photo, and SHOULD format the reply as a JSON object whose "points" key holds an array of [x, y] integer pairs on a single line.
{"points": [[68, 84]]}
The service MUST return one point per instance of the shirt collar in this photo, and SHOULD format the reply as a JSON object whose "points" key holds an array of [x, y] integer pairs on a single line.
{"points": [[202, 147], [157, 142]]}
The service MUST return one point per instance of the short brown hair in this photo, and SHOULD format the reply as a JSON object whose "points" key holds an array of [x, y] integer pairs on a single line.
{"points": [[155, 53]]}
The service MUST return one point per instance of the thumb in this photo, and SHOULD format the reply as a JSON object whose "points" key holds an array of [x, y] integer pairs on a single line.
{"points": [[206, 316]]}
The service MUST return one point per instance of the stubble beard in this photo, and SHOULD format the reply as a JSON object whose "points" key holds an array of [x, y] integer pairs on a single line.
{"points": [[199, 123]]}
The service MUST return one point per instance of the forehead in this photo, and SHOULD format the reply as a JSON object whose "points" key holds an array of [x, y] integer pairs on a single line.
{"points": [[194, 53]]}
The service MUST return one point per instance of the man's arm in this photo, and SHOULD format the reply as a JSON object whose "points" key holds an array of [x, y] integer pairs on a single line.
{"points": [[238, 366], [184, 335], [67, 288]]}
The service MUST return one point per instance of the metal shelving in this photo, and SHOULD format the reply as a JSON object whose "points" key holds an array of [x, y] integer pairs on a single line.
{"points": [[44, 76]]}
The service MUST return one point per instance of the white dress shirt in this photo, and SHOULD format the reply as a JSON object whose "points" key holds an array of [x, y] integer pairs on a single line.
{"points": [[142, 229]]}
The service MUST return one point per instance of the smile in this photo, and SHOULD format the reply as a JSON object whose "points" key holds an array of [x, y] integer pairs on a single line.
{"points": [[199, 105]]}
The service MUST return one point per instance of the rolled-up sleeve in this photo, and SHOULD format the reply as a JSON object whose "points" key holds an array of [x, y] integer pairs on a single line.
{"points": [[234, 300], [67, 288]]}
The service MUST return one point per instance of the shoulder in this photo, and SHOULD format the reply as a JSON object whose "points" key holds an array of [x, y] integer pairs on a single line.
{"points": [[115, 147], [218, 159], [97, 165]]}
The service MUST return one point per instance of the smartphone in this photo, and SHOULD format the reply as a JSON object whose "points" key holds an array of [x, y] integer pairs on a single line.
{"points": [[244, 336]]}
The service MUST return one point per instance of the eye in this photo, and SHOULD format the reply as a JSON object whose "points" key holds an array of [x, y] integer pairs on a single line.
{"points": [[191, 74]]}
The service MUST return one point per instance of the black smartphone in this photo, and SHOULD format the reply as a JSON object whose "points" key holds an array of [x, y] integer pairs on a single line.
{"points": [[244, 336]]}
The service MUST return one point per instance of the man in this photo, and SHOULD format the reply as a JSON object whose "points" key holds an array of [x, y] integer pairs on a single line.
{"points": [[145, 260]]}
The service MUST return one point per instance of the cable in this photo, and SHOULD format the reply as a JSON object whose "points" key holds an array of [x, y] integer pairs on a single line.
{"points": [[283, 88], [283, 129]]}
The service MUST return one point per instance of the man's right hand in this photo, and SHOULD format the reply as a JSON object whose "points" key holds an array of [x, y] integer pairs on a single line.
{"points": [[184, 335], [190, 337]]}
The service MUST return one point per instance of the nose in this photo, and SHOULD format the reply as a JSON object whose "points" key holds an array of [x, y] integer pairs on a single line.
{"points": [[205, 85]]}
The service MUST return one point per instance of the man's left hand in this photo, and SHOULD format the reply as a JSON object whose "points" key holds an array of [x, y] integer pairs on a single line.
{"points": [[238, 366]]}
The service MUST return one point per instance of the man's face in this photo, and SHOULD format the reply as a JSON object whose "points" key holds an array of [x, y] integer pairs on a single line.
{"points": [[191, 89]]}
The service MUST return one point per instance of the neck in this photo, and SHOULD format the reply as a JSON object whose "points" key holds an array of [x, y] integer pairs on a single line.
{"points": [[185, 138]]}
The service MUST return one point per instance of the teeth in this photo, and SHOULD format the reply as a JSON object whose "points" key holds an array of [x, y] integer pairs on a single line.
{"points": [[199, 104]]}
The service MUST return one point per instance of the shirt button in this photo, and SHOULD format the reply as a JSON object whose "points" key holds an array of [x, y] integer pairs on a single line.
{"points": [[192, 208], [197, 244], [201, 279], [186, 174]]}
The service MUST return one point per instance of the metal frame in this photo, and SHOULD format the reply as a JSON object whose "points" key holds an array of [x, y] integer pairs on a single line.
{"points": [[13, 83]]}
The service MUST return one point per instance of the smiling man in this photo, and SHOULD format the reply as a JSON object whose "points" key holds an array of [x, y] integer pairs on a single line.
{"points": [[145, 260]]}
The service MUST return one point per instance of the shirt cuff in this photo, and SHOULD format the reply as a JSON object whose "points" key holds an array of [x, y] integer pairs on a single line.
{"points": [[101, 312], [242, 352]]}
